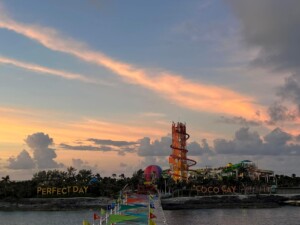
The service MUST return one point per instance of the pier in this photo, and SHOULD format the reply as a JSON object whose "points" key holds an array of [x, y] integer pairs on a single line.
{"points": [[158, 211]]}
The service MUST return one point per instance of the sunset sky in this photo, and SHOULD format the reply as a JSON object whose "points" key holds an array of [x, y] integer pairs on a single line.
{"points": [[96, 84]]}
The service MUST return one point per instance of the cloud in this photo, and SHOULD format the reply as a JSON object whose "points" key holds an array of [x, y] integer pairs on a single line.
{"points": [[246, 142], [111, 142], [277, 137], [22, 161], [271, 25], [173, 87], [43, 155], [156, 148], [85, 147], [104, 145], [196, 149], [162, 147], [79, 164], [238, 120], [278, 112], [45, 70], [291, 90], [127, 149], [123, 164]]}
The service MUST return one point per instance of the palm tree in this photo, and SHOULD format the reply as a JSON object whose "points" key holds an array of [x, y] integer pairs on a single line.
{"points": [[71, 173], [84, 176], [5, 181]]}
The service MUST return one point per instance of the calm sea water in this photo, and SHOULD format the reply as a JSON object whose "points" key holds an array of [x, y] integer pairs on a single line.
{"points": [[277, 216]]}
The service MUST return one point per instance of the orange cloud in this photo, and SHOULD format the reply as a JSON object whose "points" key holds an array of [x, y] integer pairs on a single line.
{"points": [[49, 71], [183, 92]]}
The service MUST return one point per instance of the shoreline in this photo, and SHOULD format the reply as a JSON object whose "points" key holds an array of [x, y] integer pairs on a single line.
{"points": [[228, 201], [171, 203], [54, 204]]}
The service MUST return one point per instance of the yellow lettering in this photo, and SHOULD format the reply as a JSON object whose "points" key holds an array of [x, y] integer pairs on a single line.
{"points": [[81, 190], [58, 191], [69, 189], [75, 189], [64, 191], [44, 191], [204, 189], [48, 191], [233, 188], [216, 190], [39, 189], [224, 189], [53, 190], [85, 189]]}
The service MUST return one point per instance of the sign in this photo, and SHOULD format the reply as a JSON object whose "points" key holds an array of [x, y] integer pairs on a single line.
{"points": [[219, 190], [215, 189], [62, 190]]}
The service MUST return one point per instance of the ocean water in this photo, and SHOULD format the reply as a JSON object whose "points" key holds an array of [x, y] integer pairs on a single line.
{"points": [[275, 216]]}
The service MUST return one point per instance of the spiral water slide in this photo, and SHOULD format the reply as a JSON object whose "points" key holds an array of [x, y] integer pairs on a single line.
{"points": [[179, 163]]}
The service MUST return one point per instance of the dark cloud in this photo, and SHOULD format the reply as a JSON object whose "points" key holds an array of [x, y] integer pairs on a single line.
{"points": [[194, 148], [246, 142], [279, 113], [111, 142], [127, 149], [122, 147], [85, 147], [22, 161], [156, 148], [273, 26], [277, 137], [162, 147], [291, 90], [238, 120], [43, 155]]}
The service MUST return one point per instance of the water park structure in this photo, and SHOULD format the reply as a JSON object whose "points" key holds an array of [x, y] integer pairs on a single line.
{"points": [[243, 169], [179, 163]]}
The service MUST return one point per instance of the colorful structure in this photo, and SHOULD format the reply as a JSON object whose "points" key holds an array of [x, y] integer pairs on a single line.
{"points": [[152, 173], [179, 163], [243, 169]]}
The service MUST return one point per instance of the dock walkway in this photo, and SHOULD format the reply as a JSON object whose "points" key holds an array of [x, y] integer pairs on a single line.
{"points": [[158, 212]]}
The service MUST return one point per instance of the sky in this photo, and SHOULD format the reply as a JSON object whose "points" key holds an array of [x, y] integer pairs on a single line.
{"points": [[96, 84]]}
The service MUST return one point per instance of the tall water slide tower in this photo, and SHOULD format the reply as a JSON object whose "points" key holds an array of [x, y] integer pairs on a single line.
{"points": [[179, 163]]}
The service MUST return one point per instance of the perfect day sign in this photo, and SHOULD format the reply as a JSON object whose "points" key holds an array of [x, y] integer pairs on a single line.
{"points": [[59, 191]]}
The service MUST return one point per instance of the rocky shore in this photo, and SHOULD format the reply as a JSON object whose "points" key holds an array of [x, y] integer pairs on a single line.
{"points": [[227, 201], [52, 204]]}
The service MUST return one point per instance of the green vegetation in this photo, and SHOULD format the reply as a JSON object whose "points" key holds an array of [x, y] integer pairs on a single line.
{"points": [[110, 186], [97, 185]]}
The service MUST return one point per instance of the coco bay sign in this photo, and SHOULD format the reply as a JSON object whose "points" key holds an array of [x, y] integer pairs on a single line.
{"points": [[219, 190], [60, 191], [214, 189]]}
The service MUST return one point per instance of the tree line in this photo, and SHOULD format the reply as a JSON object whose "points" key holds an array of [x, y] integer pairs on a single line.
{"points": [[108, 186]]}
